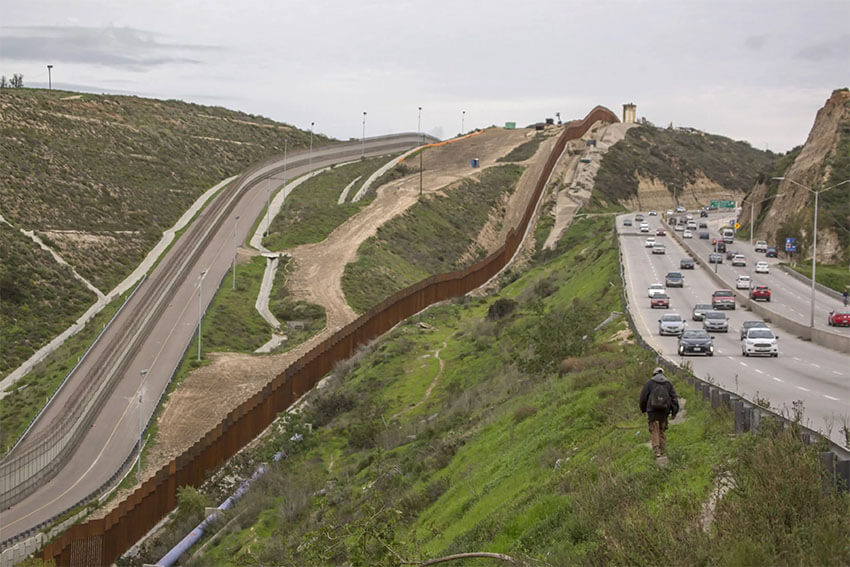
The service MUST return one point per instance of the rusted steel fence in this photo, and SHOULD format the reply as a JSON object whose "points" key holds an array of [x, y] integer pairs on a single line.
{"points": [[101, 541]]}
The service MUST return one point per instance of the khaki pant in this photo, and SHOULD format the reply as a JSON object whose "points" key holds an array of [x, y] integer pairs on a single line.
{"points": [[658, 437]]}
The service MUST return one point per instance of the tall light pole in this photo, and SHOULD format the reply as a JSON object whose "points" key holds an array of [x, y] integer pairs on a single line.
{"points": [[462, 117], [141, 386], [311, 144], [752, 207], [49, 78], [235, 249], [419, 126], [814, 235], [268, 205], [200, 312], [363, 138]]}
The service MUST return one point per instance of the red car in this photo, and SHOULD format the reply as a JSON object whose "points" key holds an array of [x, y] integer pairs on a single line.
{"points": [[760, 292], [839, 318], [660, 232], [661, 300], [723, 299]]}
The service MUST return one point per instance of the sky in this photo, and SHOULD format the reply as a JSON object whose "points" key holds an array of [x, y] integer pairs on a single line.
{"points": [[748, 69]]}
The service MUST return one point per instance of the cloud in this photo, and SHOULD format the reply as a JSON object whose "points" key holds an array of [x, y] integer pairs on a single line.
{"points": [[117, 47], [837, 48]]}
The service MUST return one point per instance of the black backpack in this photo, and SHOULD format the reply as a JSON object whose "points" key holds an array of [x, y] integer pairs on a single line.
{"points": [[659, 398]]}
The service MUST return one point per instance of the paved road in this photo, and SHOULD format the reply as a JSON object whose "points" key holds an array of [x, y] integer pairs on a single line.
{"points": [[114, 433], [817, 376]]}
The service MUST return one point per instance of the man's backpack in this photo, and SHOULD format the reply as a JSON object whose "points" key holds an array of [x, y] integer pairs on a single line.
{"points": [[659, 398]]}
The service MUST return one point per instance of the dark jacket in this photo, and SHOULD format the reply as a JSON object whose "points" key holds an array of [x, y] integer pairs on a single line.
{"points": [[659, 379]]}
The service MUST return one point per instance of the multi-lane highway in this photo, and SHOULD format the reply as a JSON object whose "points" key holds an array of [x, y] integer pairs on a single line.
{"points": [[147, 341], [815, 375]]}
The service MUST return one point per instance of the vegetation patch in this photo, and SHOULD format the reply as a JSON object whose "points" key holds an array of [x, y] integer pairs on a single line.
{"points": [[523, 151], [833, 276], [310, 213], [429, 238], [300, 319], [676, 158]]}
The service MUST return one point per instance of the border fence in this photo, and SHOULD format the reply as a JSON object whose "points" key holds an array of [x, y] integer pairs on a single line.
{"points": [[101, 541]]}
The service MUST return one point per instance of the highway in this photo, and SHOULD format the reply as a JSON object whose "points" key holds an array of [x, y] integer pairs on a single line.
{"points": [[148, 339], [815, 375]]}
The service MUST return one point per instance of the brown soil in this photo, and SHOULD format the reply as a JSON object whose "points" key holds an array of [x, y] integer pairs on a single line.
{"points": [[208, 393]]}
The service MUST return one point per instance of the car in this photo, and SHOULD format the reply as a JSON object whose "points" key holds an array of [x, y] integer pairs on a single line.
{"points": [[703, 235], [703, 213], [715, 258], [699, 311], [687, 234], [660, 232], [703, 225], [660, 300], [743, 282], [720, 246], [639, 217], [686, 264], [655, 289], [649, 242], [723, 299], [762, 267], [653, 213], [669, 212], [770, 252], [671, 324], [674, 279], [715, 321], [627, 222], [760, 292], [679, 228], [644, 227], [739, 260], [680, 209], [659, 249], [760, 246], [838, 318], [696, 341], [689, 218], [691, 225], [760, 341], [752, 325]]}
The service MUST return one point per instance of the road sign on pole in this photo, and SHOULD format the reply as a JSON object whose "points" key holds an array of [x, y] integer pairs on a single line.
{"points": [[790, 244]]}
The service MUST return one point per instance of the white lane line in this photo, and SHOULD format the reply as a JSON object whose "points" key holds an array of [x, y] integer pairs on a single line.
{"points": [[798, 359], [741, 363], [837, 373], [804, 389], [815, 365], [759, 371], [830, 398], [777, 379]]}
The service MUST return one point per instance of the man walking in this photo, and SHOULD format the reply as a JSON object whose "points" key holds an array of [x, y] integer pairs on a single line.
{"points": [[658, 400]]}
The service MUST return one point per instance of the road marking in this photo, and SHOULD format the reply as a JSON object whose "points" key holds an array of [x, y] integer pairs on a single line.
{"points": [[815, 365], [741, 363], [804, 389], [830, 398], [798, 359], [777, 379], [837, 373], [759, 371]]}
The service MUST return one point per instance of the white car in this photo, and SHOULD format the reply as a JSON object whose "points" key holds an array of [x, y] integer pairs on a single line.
{"points": [[649, 242], [671, 324], [656, 289], [644, 227], [659, 249], [743, 282], [687, 234], [762, 268], [760, 341], [679, 227], [761, 246]]}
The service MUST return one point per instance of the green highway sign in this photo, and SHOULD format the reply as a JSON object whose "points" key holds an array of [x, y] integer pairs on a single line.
{"points": [[723, 204]]}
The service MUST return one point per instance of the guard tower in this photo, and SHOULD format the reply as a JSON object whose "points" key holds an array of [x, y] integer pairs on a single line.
{"points": [[629, 111]]}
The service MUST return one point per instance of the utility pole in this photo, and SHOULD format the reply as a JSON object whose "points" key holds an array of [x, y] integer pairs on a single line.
{"points": [[141, 387], [462, 117], [235, 249], [363, 138], [49, 78], [419, 125], [311, 144]]}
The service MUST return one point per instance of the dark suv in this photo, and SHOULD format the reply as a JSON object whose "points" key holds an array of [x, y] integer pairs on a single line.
{"points": [[686, 264]]}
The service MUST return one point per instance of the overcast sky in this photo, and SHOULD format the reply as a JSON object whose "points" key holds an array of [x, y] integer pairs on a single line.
{"points": [[750, 70]]}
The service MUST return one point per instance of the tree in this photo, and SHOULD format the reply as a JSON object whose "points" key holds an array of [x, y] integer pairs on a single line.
{"points": [[17, 81], [4, 83]]}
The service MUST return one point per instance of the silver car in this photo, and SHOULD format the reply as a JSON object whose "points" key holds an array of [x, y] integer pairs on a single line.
{"points": [[700, 309], [716, 322], [671, 324]]}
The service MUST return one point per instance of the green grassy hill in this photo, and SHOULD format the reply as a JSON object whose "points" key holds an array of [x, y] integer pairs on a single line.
{"points": [[99, 177], [474, 428]]}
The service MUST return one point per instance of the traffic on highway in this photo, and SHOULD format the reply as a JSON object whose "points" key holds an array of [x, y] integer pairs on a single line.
{"points": [[689, 315]]}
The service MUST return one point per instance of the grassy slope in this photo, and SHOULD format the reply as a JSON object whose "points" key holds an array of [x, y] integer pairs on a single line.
{"points": [[675, 158], [537, 465], [103, 164], [430, 238], [311, 213]]}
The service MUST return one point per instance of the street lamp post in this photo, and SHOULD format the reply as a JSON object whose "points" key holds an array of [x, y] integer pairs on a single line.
{"points": [[462, 117], [363, 138], [752, 207], [419, 125], [200, 312], [311, 144], [268, 205], [235, 249], [814, 235], [49, 77], [141, 387]]}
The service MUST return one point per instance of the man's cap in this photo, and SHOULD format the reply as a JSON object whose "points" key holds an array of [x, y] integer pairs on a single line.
{"points": [[658, 370]]}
